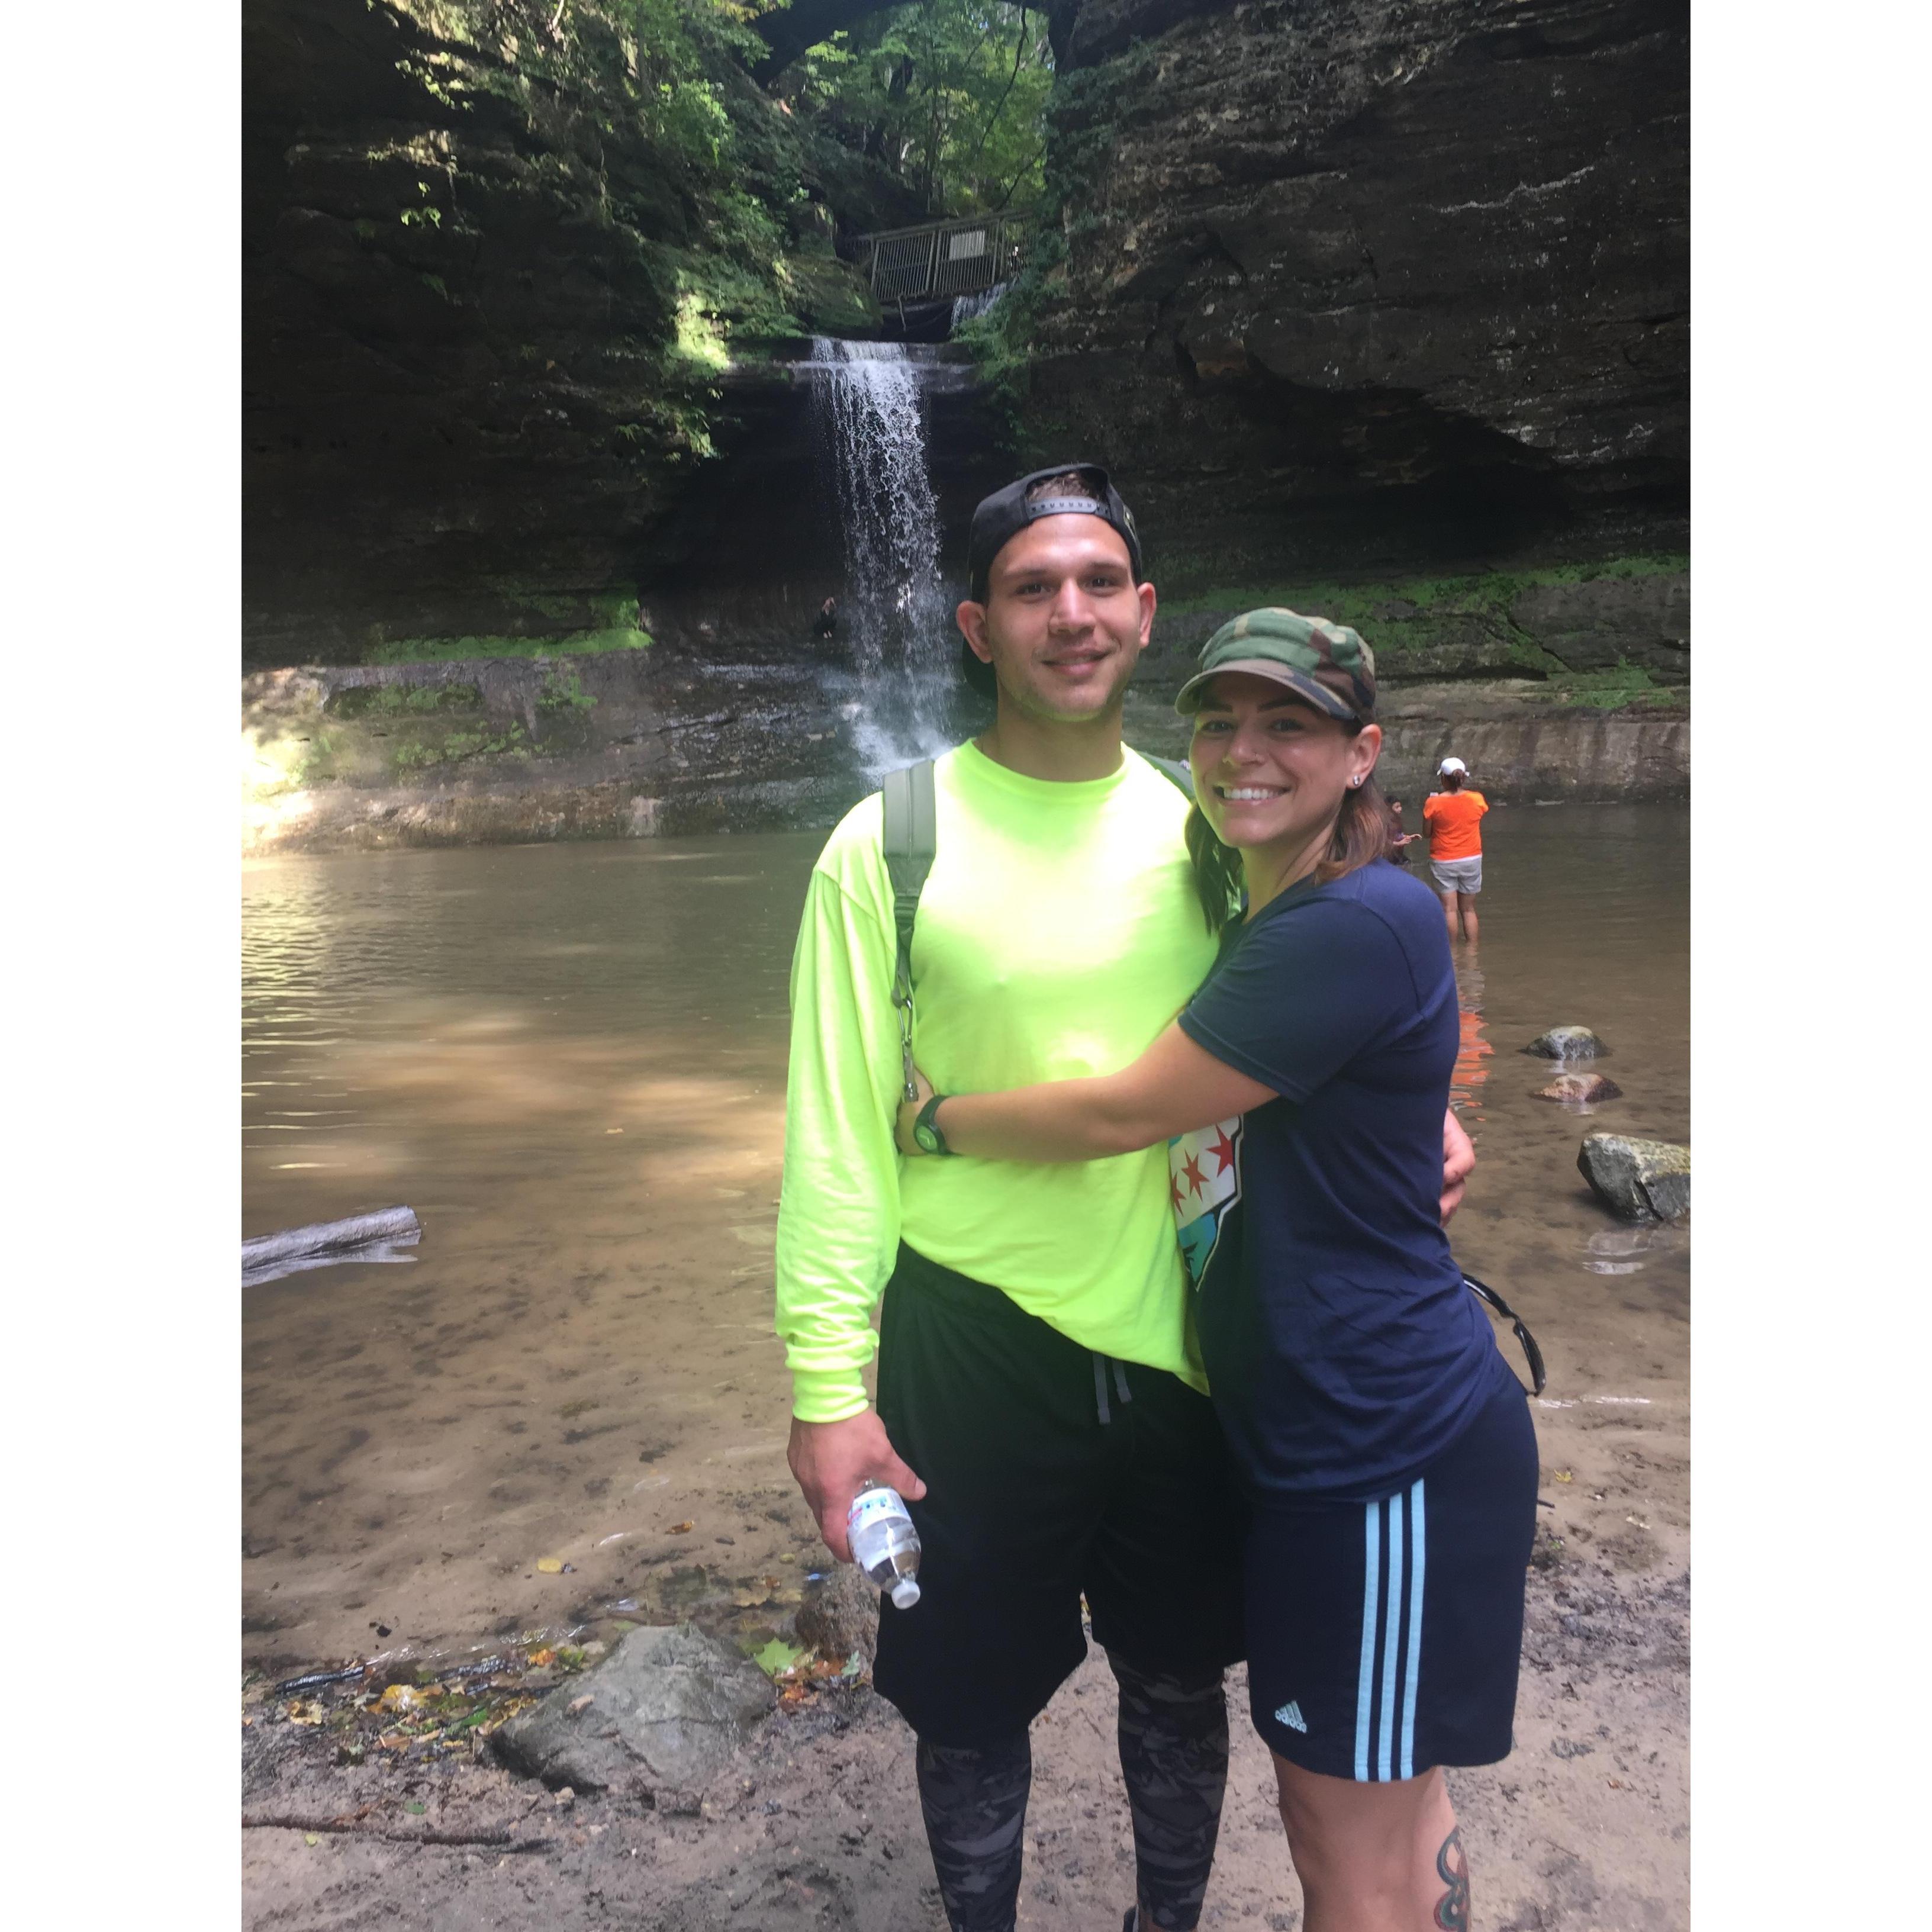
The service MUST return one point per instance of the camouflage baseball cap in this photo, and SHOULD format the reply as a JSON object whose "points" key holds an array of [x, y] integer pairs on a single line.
{"points": [[1327, 663]]}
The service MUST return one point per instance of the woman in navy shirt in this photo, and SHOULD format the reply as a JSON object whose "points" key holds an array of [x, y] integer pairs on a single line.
{"points": [[1385, 1445]]}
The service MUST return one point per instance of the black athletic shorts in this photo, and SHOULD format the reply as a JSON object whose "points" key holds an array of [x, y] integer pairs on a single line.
{"points": [[1051, 1472], [1383, 1637]]}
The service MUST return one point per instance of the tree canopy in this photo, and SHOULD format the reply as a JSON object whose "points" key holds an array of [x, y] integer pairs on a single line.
{"points": [[949, 96]]}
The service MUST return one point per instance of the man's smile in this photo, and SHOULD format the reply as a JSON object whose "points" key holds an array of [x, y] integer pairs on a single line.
{"points": [[1079, 665]]}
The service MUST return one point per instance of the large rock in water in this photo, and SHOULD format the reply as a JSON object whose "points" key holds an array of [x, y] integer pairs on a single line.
{"points": [[1580, 1090], [662, 1714], [1639, 1180], [1567, 1043]]}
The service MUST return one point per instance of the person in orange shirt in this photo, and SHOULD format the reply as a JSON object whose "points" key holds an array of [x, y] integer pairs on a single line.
{"points": [[1454, 815]]}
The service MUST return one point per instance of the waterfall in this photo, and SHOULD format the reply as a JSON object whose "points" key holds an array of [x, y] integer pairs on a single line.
{"points": [[965, 307], [896, 612]]}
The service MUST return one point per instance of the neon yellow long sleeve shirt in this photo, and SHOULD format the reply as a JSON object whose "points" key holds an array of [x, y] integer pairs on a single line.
{"points": [[1058, 933]]}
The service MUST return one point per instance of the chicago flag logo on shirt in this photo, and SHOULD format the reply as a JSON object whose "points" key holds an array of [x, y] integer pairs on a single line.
{"points": [[1203, 1170]]}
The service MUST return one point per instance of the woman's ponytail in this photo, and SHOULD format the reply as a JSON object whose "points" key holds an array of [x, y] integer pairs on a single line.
{"points": [[1362, 832]]}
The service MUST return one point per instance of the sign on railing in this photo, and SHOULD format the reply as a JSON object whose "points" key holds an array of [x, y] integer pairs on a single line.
{"points": [[942, 258]]}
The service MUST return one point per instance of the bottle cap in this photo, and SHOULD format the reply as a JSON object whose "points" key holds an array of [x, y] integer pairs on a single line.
{"points": [[905, 1592]]}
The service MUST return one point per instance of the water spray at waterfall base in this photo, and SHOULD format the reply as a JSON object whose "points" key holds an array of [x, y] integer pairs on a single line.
{"points": [[871, 427]]}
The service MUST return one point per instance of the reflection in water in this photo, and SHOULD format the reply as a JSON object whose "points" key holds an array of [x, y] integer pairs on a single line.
{"points": [[1626, 1250], [1472, 1048], [376, 1253], [1618, 1251], [569, 1061]]}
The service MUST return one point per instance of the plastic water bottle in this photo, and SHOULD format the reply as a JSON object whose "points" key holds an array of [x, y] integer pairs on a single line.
{"points": [[884, 1543]]}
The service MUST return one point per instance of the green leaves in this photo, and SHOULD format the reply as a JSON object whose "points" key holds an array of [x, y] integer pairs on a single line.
{"points": [[950, 95]]}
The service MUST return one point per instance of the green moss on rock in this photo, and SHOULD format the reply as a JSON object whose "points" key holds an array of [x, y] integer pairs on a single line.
{"points": [[390, 700], [572, 643], [1606, 634]]}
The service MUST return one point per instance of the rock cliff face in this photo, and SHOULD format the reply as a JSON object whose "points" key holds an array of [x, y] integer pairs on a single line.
{"points": [[754, 730], [624, 744], [495, 266], [1342, 287], [1373, 284]]}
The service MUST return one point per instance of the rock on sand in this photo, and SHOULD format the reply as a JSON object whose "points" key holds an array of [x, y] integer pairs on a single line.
{"points": [[1567, 1043], [1639, 1180], [840, 1614], [658, 1719]]}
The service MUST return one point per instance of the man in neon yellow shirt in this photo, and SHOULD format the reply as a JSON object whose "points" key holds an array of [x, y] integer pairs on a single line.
{"points": [[1035, 1362]]}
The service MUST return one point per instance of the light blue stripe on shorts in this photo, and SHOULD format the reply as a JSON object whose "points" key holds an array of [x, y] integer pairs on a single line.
{"points": [[1391, 1637], [1371, 1592], [1417, 1557], [1385, 1709]]}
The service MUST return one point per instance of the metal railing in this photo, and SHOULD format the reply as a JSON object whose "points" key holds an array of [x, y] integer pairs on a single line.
{"points": [[940, 259]]}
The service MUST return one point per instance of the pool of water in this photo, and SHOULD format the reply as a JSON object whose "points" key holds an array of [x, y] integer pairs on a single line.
{"points": [[569, 1061]]}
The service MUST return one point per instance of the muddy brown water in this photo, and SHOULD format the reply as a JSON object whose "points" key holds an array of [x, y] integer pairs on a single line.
{"points": [[569, 1061]]}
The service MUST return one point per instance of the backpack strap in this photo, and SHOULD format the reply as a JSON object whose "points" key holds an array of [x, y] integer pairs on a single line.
{"points": [[1175, 771], [910, 841]]}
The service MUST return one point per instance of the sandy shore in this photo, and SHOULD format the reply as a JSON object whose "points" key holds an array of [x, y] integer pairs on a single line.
{"points": [[817, 1825], [1585, 1826]]}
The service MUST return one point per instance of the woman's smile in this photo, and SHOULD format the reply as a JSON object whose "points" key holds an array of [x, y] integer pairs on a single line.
{"points": [[1271, 771]]}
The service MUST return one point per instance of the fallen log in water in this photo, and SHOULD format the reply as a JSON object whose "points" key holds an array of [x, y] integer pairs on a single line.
{"points": [[390, 1225]]}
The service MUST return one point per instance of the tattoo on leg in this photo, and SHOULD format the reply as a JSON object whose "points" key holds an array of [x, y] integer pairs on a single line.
{"points": [[1452, 1867]]}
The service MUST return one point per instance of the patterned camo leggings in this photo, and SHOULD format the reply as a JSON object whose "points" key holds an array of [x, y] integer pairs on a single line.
{"points": [[1174, 1756]]}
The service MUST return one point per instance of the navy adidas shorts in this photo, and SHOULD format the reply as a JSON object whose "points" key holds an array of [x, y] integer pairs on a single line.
{"points": [[1383, 1637]]}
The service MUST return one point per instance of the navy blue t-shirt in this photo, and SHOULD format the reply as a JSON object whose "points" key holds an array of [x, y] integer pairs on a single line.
{"points": [[1343, 1351]]}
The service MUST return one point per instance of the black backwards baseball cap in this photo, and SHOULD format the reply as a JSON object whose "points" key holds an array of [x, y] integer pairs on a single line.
{"points": [[1002, 516]]}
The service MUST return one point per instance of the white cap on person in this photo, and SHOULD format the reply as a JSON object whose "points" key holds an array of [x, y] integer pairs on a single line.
{"points": [[1449, 765]]}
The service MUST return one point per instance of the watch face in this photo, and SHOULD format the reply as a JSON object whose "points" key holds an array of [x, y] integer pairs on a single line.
{"points": [[926, 1137]]}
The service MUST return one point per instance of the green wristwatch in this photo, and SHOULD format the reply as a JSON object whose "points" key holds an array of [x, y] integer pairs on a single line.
{"points": [[925, 1129]]}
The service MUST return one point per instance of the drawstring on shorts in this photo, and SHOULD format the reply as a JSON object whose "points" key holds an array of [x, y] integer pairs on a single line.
{"points": [[1102, 1363]]}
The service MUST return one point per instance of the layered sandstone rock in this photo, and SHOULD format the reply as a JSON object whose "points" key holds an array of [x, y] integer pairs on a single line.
{"points": [[1374, 280]]}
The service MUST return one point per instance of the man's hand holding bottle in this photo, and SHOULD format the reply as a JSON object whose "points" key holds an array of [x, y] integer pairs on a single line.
{"points": [[832, 1461]]}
